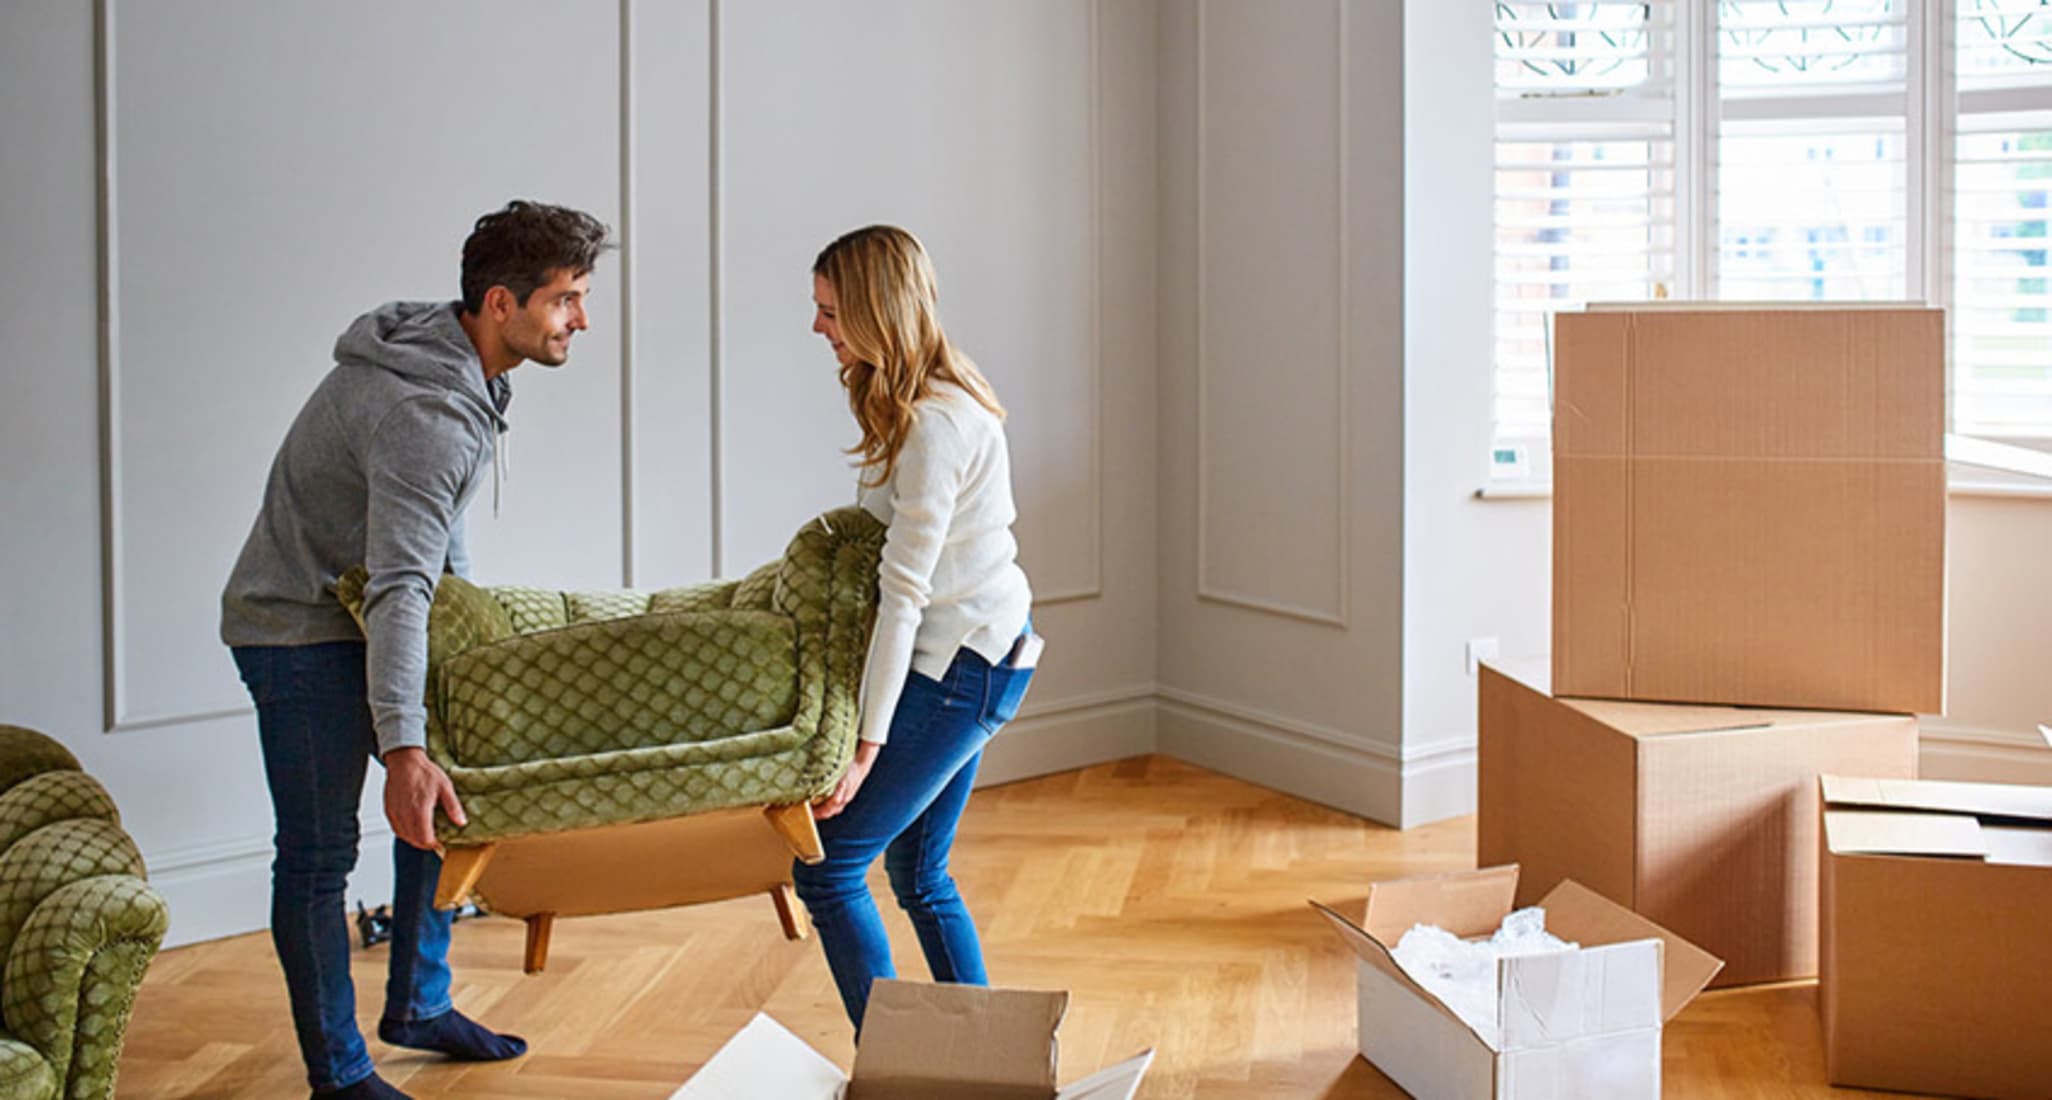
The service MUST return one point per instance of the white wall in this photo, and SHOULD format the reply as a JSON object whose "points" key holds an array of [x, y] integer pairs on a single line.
{"points": [[1282, 395], [274, 170], [1998, 643], [1473, 569]]}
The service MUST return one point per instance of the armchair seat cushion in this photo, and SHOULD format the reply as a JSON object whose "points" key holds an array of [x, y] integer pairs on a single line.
{"points": [[618, 685]]}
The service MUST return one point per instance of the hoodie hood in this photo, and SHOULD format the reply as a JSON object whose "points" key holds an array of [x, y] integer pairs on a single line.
{"points": [[425, 343]]}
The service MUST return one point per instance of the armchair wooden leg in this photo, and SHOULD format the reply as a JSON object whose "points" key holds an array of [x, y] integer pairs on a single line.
{"points": [[461, 868], [538, 927], [794, 823], [796, 927]]}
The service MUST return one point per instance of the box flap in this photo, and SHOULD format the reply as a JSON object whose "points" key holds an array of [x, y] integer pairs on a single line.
{"points": [[1981, 799], [1376, 955], [1465, 903], [1117, 1082], [1657, 719], [1903, 833], [1664, 719], [764, 1061], [2023, 847], [1575, 912], [943, 1040]]}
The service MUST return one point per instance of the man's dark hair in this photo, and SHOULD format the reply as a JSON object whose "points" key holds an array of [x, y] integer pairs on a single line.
{"points": [[521, 246]]}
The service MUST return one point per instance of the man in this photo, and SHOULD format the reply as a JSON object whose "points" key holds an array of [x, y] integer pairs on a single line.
{"points": [[377, 468]]}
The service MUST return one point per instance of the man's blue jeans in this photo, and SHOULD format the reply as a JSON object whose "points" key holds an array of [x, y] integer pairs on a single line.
{"points": [[907, 810], [313, 718]]}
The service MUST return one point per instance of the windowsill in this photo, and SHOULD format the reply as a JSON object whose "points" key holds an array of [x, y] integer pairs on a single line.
{"points": [[2030, 468], [1541, 490]]}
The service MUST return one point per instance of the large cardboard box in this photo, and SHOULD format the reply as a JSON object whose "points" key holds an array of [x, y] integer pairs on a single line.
{"points": [[919, 1042], [1704, 819], [1937, 960], [1582, 1023], [1749, 507]]}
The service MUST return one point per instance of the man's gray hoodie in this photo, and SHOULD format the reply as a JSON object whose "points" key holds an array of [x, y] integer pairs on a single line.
{"points": [[375, 470]]}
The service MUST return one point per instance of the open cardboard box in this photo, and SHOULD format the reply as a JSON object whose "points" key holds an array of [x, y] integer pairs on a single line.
{"points": [[919, 1042], [1583, 1023], [1934, 916]]}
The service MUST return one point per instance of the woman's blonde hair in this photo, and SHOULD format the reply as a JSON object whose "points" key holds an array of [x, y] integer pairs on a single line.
{"points": [[886, 301]]}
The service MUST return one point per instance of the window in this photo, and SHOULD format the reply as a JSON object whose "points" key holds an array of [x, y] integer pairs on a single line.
{"points": [[2002, 168], [1585, 179], [1780, 150]]}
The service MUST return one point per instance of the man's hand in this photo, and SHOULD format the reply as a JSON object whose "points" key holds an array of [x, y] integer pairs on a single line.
{"points": [[414, 786], [844, 791]]}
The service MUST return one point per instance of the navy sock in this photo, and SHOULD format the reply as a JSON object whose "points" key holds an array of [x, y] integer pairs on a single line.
{"points": [[454, 1034], [370, 1088]]}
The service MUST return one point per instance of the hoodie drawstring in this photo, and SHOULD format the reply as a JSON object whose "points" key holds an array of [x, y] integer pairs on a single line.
{"points": [[501, 455]]}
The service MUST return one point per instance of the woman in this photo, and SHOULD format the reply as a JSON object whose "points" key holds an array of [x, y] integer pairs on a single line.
{"points": [[953, 650]]}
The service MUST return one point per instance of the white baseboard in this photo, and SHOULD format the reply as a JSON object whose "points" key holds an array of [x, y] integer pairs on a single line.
{"points": [[224, 889], [1439, 781], [1072, 734], [1308, 762]]}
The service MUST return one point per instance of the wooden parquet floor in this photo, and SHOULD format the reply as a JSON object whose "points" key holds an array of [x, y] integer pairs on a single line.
{"points": [[1168, 899]]}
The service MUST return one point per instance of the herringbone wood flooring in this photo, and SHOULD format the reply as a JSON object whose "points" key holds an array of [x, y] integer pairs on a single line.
{"points": [[1168, 899]]}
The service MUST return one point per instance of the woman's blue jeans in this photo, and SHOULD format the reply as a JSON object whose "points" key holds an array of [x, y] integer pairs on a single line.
{"points": [[907, 810], [313, 718]]}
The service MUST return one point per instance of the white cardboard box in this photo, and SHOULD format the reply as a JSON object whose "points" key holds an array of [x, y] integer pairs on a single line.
{"points": [[1570, 1025], [919, 1042]]}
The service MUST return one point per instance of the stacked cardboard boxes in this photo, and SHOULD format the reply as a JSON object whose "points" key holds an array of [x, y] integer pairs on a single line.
{"points": [[1748, 562]]}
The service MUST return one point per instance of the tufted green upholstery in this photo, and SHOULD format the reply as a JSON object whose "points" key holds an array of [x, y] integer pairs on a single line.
{"points": [[78, 925], [554, 711]]}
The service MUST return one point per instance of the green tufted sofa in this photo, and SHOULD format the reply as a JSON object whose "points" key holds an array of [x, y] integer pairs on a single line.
{"points": [[78, 925], [558, 713]]}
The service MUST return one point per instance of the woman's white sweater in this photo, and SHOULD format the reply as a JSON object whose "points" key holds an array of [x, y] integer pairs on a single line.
{"points": [[949, 576]]}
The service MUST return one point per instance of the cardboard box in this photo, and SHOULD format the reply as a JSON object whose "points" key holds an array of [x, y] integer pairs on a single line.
{"points": [[1704, 819], [1582, 1023], [1936, 902], [919, 1042], [1749, 507]]}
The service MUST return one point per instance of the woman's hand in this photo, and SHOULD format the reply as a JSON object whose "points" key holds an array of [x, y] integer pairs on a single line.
{"points": [[844, 791]]}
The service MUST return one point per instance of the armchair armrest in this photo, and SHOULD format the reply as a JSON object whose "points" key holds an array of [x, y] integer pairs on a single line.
{"points": [[73, 972], [826, 581], [462, 618]]}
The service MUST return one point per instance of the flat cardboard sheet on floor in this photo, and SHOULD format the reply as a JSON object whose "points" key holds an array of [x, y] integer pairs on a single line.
{"points": [[1749, 506], [1577, 1023], [919, 1042], [1935, 955], [1702, 818]]}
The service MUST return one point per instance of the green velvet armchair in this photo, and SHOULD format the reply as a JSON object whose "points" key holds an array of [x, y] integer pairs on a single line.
{"points": [[78, 925], [572, 724]]}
